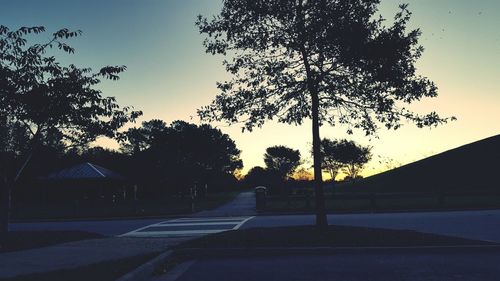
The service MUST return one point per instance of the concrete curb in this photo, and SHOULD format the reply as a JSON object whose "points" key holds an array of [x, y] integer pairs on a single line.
{"points": [[145, 271], [194, 253]]}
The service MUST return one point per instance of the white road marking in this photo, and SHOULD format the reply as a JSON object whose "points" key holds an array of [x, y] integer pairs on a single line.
{"points": [[197, 223], [139, 229], [211, 219], [170, 226], [244, 221], [172, 233]]}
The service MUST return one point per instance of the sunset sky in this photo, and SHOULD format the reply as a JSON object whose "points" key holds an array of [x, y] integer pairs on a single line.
{"points": [[169, 75]]}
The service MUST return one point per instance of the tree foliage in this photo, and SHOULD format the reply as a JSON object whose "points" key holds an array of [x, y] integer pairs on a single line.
{"points": [[52, 104], [256, 176], [362, 69], [344, 155], [205, 146], [181, 153], [332, 61], [302, 174], [329, 152], [282, 160], [139, 139], [43, 103], [259, 176]]}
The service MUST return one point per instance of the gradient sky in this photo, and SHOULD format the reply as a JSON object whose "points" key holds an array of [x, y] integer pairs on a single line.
{"points": [[169, 75]]}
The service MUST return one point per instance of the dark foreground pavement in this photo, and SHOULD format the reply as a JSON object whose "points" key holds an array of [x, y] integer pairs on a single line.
{"points": [[430, 264], [467, 264], [82, 253], [79, 253]]}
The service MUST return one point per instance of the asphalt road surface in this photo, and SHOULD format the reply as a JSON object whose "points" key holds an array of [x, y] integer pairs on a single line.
{"points": [[479, 225], [482, 225], [383, 265], [238, 211]]}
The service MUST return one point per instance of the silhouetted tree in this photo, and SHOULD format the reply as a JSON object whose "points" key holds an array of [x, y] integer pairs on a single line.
{"points": [[352, 156], [184, 153], [108, 158], [344, 155], [329, 151], [335, 62], [282, 160], [14, 138], [52, 103], [302, 174], [139, 139], [258, 176], [206, 146]]}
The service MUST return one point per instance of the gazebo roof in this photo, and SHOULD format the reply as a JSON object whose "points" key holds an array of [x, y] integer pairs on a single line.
{"points": [[85, 171]]}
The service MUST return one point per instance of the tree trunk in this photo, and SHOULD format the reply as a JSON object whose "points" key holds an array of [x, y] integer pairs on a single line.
{"points": [[6, 201], [5, 191], [321, 221]]}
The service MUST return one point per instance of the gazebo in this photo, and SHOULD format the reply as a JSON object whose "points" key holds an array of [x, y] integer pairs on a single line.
{"points": [[87, 181]]}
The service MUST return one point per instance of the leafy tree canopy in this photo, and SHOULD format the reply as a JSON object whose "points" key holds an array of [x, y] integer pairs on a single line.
{"points": [[183, 146], [206, 146], [362, 68], [51, 104], [302, 174], [43, 103], [282, 160], [256, 176], [329, 152], [135, 140], [351, 156], [332, 61]]}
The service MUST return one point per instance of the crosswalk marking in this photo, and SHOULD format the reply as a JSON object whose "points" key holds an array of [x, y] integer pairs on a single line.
{"points": [[199, 223], [188, 227]]}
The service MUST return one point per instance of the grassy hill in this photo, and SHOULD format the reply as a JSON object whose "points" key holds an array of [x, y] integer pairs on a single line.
{"points": [[472, 167]]}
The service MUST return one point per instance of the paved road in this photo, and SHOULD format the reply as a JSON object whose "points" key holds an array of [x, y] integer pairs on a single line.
{"points": [[459, 265], [135, 237], [383, 265], [480, 225], [242, 205], [188, 227]]}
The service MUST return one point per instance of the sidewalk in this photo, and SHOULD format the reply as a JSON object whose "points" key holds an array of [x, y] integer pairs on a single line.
{"points": [[80, 253], [242, 205]]}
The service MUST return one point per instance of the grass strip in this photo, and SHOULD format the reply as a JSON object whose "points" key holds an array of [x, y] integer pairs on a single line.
{"points": [[23, 240], [333, 236]]}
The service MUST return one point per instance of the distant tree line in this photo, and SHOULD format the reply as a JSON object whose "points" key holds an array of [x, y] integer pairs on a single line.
{"points": [[344, 156], [282, 172], [175, 158]]}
